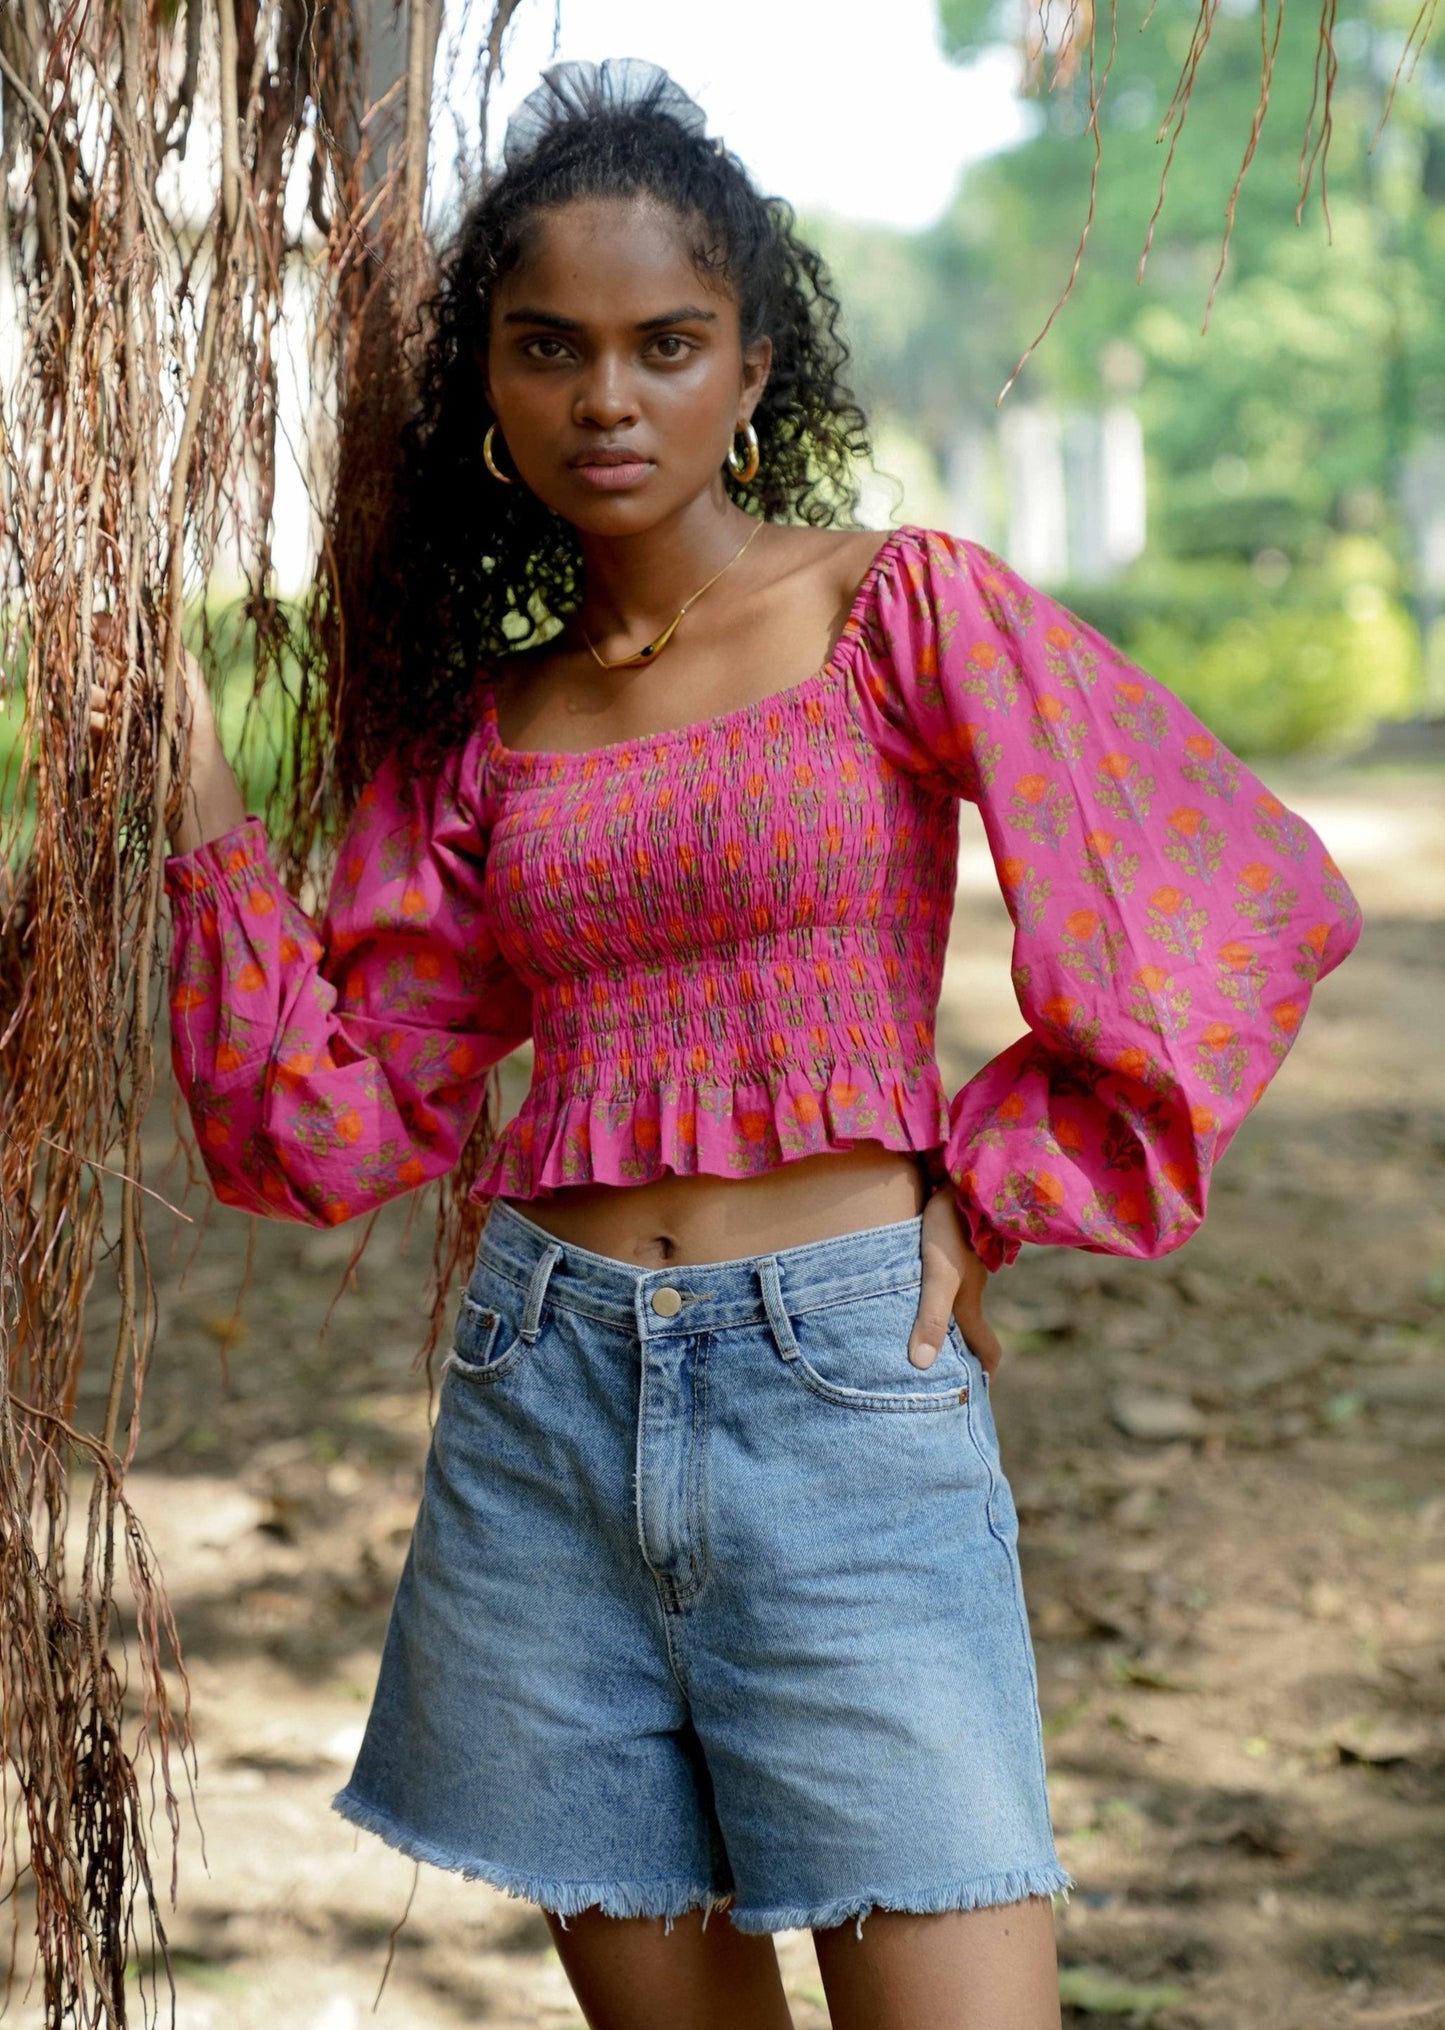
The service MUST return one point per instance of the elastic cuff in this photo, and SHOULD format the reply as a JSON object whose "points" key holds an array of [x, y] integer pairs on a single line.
{"points": [[993, 1248], [243, 850]]}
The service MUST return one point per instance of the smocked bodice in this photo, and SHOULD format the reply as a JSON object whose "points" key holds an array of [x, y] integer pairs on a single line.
{"points": [[726, 941]]}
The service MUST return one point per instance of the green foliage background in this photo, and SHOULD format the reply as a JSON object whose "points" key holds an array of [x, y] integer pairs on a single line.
{"points": [[1277, 591]]}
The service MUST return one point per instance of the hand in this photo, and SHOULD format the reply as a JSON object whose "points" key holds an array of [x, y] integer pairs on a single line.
{"points": [[954, 1279], [194, 703]]}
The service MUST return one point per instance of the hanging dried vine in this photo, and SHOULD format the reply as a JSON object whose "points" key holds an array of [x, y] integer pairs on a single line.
{"points": [[155, 151], [1053, 50]]}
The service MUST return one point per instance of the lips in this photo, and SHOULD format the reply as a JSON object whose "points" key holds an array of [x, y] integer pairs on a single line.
{"points": [[611, 469]]}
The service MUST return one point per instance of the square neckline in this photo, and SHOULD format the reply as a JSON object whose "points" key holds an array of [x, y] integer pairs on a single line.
{"points": [[826, 673]]}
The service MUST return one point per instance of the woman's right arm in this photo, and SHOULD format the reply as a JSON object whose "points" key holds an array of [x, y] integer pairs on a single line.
{"points": [[329, 1067]]}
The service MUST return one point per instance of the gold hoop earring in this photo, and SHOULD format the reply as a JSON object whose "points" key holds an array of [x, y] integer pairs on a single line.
{"points": [[744, 469], [489, 460]]}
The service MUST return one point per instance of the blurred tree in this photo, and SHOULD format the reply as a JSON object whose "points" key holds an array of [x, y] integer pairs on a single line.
{"points": [[1286, 425]]}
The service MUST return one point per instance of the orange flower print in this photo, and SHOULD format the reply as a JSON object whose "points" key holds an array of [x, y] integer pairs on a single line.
{"points": [[1218, 1036], [1059, 1011], [646, 1132], [1203, 1120], [1082, 924], [1102, 843], [1237, 956], [413, 902], [1116, 765], [753, 1124], [1168, 901], [1031, 787], [1133, 1061], [250, 978], [1134, 694], [1050, 708], [1317, 936], [228, 1058], [1201, 746], [347, 1125], [1153, 979], [1186, 820], [698, 1057], [805, 1106], [1011, 1108], [1012, 870], [1287, 1017]]}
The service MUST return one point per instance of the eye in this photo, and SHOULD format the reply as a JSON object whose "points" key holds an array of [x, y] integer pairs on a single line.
{"points": [[675, 338], [545, 339]]}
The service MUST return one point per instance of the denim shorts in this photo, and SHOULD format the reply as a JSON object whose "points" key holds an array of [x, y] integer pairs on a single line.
{"points": [[713, 1598]]}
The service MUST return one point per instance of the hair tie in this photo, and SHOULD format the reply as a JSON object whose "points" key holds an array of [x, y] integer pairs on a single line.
{"points": [[576, 91]]}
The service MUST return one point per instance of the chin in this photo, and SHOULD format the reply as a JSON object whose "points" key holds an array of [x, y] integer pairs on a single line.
{"points": [[618, 514]]}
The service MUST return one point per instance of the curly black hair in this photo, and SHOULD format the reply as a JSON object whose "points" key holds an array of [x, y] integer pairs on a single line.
{"points": [[484, 570]]}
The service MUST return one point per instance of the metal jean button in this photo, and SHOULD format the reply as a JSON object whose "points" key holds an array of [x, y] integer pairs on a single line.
{"points": [[667, 1302]]}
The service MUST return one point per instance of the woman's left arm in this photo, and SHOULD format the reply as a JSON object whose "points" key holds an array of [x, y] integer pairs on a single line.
{"points": [[1171, 917]]}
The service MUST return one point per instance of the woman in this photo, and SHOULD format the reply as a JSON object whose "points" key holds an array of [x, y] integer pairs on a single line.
{"points": [[713, 1601]]}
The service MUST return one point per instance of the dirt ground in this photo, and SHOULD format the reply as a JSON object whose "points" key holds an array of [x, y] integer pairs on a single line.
{"points": [[1230, 1468]]}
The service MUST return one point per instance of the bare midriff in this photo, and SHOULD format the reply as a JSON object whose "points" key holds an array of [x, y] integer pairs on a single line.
{"points": [[677, 1221]]}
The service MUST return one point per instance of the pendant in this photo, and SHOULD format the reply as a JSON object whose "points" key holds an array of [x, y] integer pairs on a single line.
{"points": [[645, 655]]}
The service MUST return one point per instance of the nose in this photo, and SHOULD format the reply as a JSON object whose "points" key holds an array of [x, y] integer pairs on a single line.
{"points": [[606, 400]]}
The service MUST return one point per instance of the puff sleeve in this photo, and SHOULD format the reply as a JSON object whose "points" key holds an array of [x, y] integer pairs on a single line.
{"points": [[329, 1068], [1170, 916]]}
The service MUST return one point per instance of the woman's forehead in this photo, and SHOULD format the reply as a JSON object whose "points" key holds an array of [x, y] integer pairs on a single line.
{"points": [[618, 251]]}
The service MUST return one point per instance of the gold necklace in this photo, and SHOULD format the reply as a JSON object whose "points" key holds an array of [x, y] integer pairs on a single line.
{"points": [[659, 642]]}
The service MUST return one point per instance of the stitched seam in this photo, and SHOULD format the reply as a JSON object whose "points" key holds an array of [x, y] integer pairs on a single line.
{"points": [[934, 1402]]}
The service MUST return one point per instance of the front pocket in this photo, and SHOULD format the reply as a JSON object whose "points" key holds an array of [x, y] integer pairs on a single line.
{"points": [[482, 1349], [855, 1354]]}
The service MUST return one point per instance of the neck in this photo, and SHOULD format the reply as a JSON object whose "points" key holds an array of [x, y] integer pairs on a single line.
{"points": [[635, 584]]}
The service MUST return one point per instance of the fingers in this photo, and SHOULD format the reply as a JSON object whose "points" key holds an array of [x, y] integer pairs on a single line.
{"points": [[982, 1341], [935, 1308], [105, 701], [953, 1283]]}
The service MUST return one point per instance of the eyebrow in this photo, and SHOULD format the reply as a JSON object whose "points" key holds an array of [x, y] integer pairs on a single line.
{"points": [[690, 313]]}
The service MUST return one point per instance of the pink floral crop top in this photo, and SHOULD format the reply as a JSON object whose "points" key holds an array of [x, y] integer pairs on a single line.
{"points": [[726, 940]]}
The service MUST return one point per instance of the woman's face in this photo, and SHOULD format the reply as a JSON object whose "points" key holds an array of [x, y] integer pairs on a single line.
{"points": [[616, 372]]}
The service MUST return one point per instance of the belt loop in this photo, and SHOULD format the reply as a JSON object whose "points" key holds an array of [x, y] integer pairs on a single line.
{"points": [[536, 1290], [771, 1281]]}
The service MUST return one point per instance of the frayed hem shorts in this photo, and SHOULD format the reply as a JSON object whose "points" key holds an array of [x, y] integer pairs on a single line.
{"points": [[713, 1598]]}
